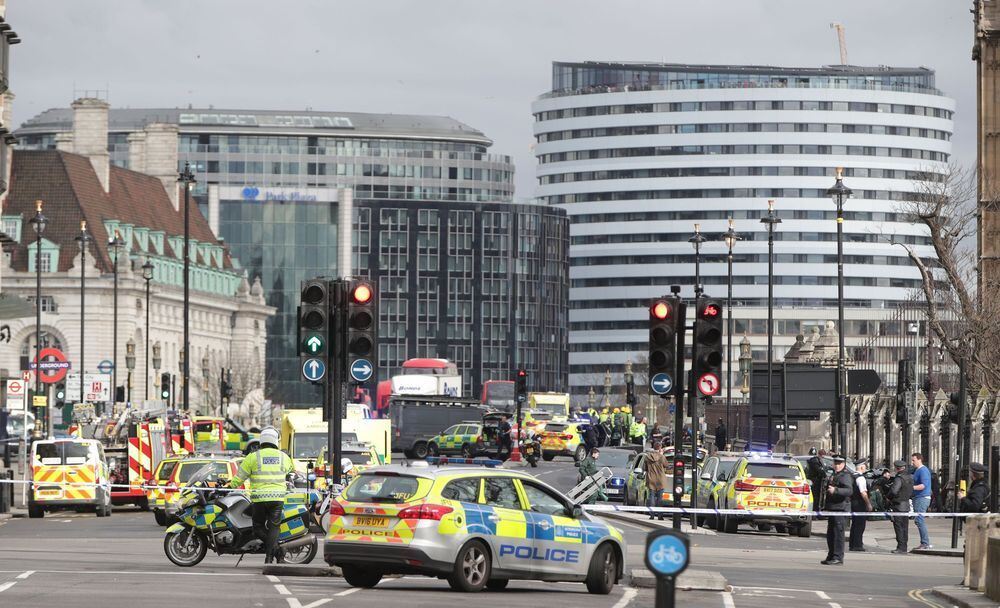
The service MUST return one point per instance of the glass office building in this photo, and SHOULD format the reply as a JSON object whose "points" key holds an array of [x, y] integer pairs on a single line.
{"points": [[638, 153]]}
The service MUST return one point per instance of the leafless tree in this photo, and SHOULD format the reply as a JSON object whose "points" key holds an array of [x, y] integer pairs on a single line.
{"points": [[945, 204]]}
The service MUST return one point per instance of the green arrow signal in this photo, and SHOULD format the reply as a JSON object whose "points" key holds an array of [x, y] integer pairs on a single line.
{"points": [[314, 344]]}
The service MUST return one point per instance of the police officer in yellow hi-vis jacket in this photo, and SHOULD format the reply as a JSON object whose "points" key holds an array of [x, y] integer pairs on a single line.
{"points": [[267, 469]]}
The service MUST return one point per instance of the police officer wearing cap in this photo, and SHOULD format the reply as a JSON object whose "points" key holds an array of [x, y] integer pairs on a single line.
{"points": [[977, 500], [839, 489], [898, 496], [267, 468]]}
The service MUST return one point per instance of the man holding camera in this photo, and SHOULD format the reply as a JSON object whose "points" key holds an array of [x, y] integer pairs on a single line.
{"points": [[897, 495], [839, 489]]}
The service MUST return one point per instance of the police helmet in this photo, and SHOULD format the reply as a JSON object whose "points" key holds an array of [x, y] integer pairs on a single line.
{"points": [[269, 436]]}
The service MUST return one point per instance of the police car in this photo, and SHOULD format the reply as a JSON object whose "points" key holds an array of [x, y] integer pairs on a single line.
{"points": [[476, 527], [775, 483]]}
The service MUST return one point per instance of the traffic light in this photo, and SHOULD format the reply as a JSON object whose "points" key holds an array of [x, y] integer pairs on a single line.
{"points": [[521, 386], [226, 385], [678, 490], [314, 322], [662, 344], [361, 335], [60, 394], [165, 386], [119, 394], [707, 357], [953, 402], [905, 384]]}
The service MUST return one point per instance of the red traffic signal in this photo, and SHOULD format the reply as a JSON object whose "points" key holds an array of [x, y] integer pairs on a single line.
{"points": [[362, 293], [660, 310], [709, 310]]}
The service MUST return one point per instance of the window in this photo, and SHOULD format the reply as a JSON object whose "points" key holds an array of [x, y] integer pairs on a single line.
{"points": [[540, 500], [500, 492], [451, 430], [463, 490], [769, 470]]}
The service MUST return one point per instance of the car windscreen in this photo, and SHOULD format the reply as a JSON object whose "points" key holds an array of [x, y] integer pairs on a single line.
{"points": [[773, 470], [308, 445], [614, 459], [553, 427], [75, 453], [380, 488], [556, 409], [358, 457], [725, 467], [166, 470], [188, 470], [48, 453]]}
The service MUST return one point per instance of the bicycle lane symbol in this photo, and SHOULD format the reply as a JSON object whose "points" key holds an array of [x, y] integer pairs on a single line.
{"points": [[667, 553]]}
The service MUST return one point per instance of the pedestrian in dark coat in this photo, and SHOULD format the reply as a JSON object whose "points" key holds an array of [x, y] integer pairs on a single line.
{"points": [[977, 500], [898, 496], [839, 489]]}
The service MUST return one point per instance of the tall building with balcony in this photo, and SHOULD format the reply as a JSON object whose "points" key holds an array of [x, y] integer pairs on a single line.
{"points": [[9, 307], [435, 228], [638, 153]]}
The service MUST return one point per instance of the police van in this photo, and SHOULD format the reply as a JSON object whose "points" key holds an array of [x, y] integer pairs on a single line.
{"points": [[69, 474]]}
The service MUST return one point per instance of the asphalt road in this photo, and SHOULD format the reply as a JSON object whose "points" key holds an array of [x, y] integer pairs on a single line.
{"points": [[82, 561]]}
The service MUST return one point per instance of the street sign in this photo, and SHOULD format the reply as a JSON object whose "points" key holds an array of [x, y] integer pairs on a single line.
{"points": [[16, 394], [661, 383], [708, 384], [95, 388], [51, 374], [361, 370], [863, 382], [106, 366], [667, 555], [26, 376], [313, 370], [671, 408], [313, 344], [39, 401]]}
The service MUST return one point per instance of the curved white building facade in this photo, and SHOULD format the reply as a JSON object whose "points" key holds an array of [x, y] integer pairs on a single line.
{"points": [[639, 153]]}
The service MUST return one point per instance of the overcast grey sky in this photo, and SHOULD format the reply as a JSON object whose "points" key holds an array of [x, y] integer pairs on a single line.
{"points": [[479, 61]]}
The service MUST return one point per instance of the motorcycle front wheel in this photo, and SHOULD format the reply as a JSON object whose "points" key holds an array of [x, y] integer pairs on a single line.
{"points": [[185, 548], [303, 554]]}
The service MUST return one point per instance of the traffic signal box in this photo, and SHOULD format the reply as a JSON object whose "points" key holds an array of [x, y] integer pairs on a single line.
{"points": [[315, 315], [361, 336], [165, 386], [905, 383], [707, 355], [663, 344], [521, 386]]}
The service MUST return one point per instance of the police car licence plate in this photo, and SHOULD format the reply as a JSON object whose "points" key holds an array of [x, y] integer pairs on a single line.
{"points": [[371, 522]]}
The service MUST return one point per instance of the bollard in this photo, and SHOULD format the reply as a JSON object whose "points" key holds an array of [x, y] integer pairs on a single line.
{"points": [[6, 492], [994, 479], [993, 573]]}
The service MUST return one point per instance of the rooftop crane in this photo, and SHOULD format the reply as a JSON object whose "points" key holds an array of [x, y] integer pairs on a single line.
{"points": [[841, 41]]}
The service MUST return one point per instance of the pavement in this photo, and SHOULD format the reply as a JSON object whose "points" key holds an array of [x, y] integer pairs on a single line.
{"points": [[79, 560]]}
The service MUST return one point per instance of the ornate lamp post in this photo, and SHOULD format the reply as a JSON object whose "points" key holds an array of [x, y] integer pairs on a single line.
{"points": [[83, 239], [839, 193], [116, 245], [130, 364], [147, 276], [771, 220], [730, 237], [38, 223], [746, 366], [697, 240], [187, 179]]}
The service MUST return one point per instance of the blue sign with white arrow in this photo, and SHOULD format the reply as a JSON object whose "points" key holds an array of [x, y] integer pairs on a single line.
{"points": [[362, 370], [661, 384], [313, 370]]}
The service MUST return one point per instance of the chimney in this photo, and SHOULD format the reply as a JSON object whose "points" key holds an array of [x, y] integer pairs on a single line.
{"points": [[90, 135], [64, 141], [161, 157], [137, 151], [213, 208]]}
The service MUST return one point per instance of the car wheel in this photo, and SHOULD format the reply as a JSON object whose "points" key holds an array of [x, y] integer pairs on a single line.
{"points": [[433, 449], [603, 570], [143, 504], [472, 568], [580, 453], [160, 517], [730, 525], [497, 584], [805, 530], [710, 519], [467, 450], [548, 457], [420, 450], [35, 512], [781, 528], [357, 576]]}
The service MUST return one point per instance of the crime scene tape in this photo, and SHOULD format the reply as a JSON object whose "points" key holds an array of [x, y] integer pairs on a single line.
{"points": [[764, 512]]}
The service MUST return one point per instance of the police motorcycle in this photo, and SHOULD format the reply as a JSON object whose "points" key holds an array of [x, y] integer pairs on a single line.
{"points": [[213, 517], [531, 447]]}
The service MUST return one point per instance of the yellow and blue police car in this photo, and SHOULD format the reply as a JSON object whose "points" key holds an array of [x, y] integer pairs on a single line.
{"points": [[476, 527], [775, 483]]}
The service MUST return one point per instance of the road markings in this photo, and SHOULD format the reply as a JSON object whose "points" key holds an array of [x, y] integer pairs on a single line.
{"points": [[24, 575], [626, 597], [272, 578], [834, 605], [727, 600], [822, 595], [283, 590], [294, 603], [348, 592], [918, 595], [7, 586]]}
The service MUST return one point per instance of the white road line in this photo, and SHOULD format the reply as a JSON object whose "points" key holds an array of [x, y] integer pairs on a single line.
{"points": [[348, 592], [772, 589], [822, 595], [134, 572], [282, 590], [294, 603], [727, 600], [626, 597], [25, 575], [834, 605], [7, 586], [272, 578]]}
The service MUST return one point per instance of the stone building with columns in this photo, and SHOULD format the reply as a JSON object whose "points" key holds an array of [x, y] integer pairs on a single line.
{"points": [[77, 184]]}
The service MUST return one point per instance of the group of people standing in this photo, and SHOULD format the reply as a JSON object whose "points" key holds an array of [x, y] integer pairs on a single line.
{"points": [[614, 427], [906, 490]]}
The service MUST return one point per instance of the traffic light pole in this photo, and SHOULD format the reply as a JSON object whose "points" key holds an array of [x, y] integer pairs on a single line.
{"points": [[679, 404], [959, 445]]}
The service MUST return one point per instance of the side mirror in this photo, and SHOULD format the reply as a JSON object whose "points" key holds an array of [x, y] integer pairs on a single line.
{"points": [[576, 512]]}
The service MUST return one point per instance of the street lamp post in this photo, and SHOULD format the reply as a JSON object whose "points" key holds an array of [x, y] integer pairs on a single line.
{"points": [[147, 276], [182, 363], [38, 222], [839, 193], [130, 364], [187, 179], [83, 239], [204, 384], [730, 237], [771, 219], [115, 245], [156, 368], [746, 363], [697, 240]]}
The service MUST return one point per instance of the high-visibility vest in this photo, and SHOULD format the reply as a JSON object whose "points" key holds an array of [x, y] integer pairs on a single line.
{"points": [[267, 469], [638, 430]]}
